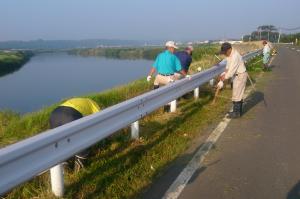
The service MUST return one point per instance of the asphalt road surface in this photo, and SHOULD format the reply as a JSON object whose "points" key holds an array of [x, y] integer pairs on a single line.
{"points": [[258, 155]]}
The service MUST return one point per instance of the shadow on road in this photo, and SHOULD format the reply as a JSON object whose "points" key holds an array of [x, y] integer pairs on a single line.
{"points": [[254, 99], [201, 170], [294, 192]]}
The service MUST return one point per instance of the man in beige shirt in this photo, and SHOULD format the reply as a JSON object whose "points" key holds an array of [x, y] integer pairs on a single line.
{"points": [[235, 68]]}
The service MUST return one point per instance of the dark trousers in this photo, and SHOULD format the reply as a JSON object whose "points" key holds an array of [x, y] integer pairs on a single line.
{"points": [[63, 115]]}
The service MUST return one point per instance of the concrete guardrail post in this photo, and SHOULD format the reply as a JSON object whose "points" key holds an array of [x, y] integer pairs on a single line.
{"points": [[212, 82], [57, 180], [173, 106], [135, 130], [196, 93]]}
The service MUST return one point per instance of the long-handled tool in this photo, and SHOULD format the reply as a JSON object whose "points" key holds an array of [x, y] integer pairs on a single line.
{"points": [[251, 82], [216, 95]]}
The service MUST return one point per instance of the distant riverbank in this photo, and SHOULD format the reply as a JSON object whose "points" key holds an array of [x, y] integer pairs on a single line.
{"points": [[11, 61], [148, 53]]}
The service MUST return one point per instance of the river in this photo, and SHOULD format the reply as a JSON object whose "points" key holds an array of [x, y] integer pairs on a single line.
{"points": [[50, 77]]}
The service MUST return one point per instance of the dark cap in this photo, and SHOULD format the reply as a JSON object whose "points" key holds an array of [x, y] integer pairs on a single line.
{"points": [[225, 46]]}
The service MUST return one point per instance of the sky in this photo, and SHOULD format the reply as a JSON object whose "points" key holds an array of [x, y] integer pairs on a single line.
{"points": [[141, 19]]}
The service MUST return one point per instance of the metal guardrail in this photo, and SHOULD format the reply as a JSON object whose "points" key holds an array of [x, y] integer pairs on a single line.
{"points": [[22, 161]]}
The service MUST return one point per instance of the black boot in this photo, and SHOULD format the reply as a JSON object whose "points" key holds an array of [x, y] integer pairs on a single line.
{"points": [[236, 111], [155, 87], [241, 108]]}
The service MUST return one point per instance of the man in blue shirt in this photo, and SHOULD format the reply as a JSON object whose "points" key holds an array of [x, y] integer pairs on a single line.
{"points": [[166, 65], [185, 57]]}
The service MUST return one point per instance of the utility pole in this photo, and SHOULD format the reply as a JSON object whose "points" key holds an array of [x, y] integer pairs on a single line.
{"points": [[279, 36], [259, 34]]}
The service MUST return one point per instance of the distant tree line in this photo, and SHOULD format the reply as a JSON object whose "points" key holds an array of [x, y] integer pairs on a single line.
{"points": [[138, 53], [271, 33], [288, 38], [265, 32]]}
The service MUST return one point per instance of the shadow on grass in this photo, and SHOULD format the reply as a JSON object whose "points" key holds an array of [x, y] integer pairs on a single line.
{"points": [[105, 174]]}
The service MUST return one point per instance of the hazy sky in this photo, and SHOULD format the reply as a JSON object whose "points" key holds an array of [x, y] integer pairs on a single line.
{"points": [[141, 19]]}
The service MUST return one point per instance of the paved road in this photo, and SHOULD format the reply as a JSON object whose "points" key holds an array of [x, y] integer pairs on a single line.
{"points": [[258, 156]]}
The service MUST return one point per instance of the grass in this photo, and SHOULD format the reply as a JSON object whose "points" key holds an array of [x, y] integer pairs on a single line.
{"points": [[119, 167], [12, 61]]}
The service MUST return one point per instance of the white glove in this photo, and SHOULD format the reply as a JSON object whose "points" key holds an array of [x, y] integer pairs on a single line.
{"points": [[149, 78], [188, 76], [199, 69], [220, 85]]}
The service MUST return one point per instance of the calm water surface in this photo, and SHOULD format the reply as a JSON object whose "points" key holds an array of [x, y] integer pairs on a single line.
{"points": [[48, 78]]}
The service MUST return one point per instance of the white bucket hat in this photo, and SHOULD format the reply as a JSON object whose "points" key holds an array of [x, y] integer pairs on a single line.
{"points": [[171, 44]]}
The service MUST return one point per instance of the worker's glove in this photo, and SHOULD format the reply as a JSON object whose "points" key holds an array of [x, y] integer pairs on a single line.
{"points": [[199, 69], [220, 85], [149, 78], [222, 76], [188, 76]]}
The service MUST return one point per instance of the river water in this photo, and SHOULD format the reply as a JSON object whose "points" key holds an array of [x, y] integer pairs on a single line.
{"points": [[48, 78]]}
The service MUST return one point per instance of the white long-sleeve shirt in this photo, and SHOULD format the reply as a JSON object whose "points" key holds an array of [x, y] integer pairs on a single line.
{"points": [[266, 49], [235, 64]]}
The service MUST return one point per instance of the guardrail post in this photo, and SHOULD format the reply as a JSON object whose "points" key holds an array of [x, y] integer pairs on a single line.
{"points": [[135, 130], [173, 106], [196, 93], [211, 82], [57, 180]]}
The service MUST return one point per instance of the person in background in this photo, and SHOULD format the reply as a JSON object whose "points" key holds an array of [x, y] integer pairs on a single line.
{"points": [[185, 57], [235, 68], [266, 54], [69, 111], [166, 65]]}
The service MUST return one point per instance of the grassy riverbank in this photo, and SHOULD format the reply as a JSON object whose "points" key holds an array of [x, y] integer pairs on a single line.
{"points": [[12, 61], [119, 167]]}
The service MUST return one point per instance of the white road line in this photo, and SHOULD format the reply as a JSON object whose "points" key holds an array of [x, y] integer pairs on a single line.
{"points": [[293, 48], [179, 184], [298, 50], [181, 181]]}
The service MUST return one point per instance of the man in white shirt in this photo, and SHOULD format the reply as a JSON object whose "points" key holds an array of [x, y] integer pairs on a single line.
{"points": [[235, 68], [267, 54]]}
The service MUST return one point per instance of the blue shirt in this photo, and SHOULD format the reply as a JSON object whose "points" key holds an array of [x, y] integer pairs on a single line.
{"points": [[167, 63], [185, 59]]}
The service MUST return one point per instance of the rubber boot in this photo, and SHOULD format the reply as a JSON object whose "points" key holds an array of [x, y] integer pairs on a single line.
{"points": [[241, 108], [236, 111], [155, 87]]}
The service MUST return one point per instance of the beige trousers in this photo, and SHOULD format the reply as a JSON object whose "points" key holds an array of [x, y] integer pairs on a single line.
{"points": [[161, 80], [239, 85]]}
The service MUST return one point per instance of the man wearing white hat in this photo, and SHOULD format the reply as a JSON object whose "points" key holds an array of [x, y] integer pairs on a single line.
{"points": [[166, 65]]}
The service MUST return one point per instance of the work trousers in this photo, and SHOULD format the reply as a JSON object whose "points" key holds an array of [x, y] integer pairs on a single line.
{"points": [[239, 85], [161, 80]]}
